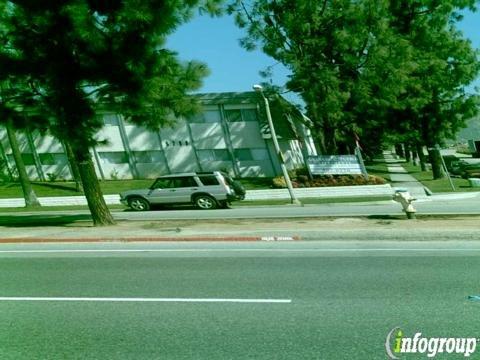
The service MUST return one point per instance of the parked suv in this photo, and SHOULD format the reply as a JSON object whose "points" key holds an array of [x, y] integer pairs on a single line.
{"points": [[205, 190], [465, 169]]}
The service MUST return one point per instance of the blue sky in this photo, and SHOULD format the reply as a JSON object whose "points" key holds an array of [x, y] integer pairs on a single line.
{"points": [[215, 42]]}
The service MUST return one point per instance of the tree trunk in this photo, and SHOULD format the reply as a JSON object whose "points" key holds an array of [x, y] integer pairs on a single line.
{"points": [[408, 155], [414, 155], [421, 157], [436, 161], [73, 167], [329, 140], [399, 150], [31, 199], [96, 203]]}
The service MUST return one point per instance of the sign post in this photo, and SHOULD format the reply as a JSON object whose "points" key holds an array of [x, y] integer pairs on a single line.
{"points": [[358, 153]]}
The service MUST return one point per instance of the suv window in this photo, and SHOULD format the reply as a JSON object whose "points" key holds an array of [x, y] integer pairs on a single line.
{"points": [[209, 180], [163, 184], [179, 182], [186, 181]]}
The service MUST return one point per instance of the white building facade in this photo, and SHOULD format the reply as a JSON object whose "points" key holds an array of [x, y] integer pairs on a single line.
{"points": [[229, 135]]}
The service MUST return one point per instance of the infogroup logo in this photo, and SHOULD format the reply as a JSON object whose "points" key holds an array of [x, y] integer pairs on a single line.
{"points": [[397, 344]]}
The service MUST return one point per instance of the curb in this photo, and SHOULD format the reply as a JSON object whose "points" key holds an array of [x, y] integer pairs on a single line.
{"points": [[149, 239]]}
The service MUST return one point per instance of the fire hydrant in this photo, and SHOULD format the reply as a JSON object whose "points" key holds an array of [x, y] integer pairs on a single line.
{"points": [[403, 197]]}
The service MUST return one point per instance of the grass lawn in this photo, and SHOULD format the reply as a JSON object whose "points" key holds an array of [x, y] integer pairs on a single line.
{"points": [[114, 208], [256, 183], [439, 185], [378, 168], [44, 189]]}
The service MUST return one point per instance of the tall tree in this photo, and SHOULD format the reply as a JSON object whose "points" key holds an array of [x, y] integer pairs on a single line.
{"points": [[29, 195], [85, 53], [435, 104], [370, 67], [342, 54], [11, 115]]}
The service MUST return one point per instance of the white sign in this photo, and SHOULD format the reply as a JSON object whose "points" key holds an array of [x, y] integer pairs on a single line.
{"points": [[334, 165]]}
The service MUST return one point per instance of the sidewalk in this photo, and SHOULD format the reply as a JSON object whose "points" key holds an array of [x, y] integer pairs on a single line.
{"points": [[341, 229], [401, 179]]}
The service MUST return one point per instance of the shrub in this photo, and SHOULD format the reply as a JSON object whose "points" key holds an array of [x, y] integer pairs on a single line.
{"points": [[4, 177], [52, 177], [329, 180], [279, 182], [302, 179]]}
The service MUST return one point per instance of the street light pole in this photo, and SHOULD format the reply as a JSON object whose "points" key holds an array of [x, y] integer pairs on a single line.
{"points": [[294, 200]]}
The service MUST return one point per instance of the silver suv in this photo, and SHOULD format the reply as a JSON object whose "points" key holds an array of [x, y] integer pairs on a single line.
{"points": [[205, 190]]}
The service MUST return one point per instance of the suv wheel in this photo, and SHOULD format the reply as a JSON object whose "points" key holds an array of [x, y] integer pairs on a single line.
{"points": [[205, 202], [138, 204]]}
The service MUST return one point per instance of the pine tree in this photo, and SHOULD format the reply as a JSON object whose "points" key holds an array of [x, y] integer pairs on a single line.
{"points": [[82, 54]]}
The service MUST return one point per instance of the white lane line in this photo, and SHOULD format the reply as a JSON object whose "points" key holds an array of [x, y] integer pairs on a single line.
{"points": [[53, 251], [185, 300]]}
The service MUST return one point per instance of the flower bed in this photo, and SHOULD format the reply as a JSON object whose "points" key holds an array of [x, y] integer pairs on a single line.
{"points": [[303, 181]]}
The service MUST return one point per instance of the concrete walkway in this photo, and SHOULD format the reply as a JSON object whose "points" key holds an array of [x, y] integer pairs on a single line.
{"points": [[400, 177]]}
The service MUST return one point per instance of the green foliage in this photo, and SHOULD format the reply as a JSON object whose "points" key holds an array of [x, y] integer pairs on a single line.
{"points": [[52, 177], [384, 70], [4, 175], [340, 55], [79, 55], [434, 105]]}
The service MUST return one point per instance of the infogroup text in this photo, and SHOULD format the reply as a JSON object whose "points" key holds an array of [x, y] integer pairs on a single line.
{"points": [[397, 344]]}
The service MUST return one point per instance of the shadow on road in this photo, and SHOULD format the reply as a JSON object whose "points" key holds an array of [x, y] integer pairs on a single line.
{"points": [[385, 217], [42, 220]]}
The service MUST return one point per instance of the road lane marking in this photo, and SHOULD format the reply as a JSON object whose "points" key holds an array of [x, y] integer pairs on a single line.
{"points": [[73, 251], [184, 300]]}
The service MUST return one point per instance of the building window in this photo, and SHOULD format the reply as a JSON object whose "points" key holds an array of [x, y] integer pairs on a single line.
{"points": [[110, 120], [259, 154], [249, 115], [243, 154], [251, 154], [28, 159], [114, 157], [213, 155], [233, 115], [237, 115], [148, 157], [52, 158], [209, 116]]}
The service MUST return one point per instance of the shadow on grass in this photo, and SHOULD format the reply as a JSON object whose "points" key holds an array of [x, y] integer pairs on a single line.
{"points": [[42, 220], [57, 186]]}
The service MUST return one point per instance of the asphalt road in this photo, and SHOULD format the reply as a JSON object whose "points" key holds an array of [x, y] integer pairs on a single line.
{"points": [[463, 206], [335, 300], [382, 208]]}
